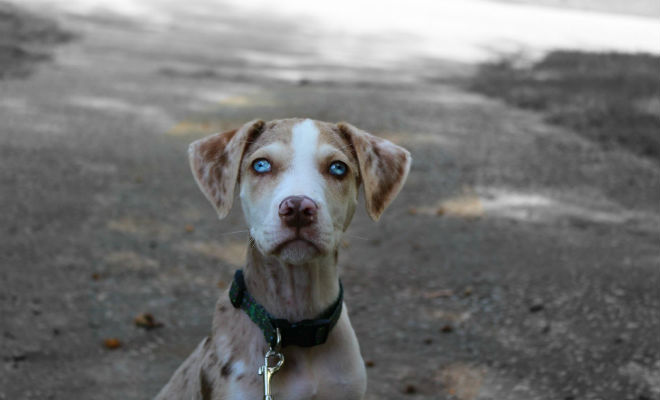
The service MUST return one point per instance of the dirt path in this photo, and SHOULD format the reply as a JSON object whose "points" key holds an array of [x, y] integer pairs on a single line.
{"points": [[520, 262]]}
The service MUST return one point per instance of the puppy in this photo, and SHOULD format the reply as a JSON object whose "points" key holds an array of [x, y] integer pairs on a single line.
{"points": [[297, 181]]}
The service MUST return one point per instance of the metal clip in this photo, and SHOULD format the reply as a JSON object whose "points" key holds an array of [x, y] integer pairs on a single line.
{"points": [[266, 370]]}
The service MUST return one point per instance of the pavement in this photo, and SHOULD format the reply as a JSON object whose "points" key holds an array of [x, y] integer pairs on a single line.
{"points": [[519, 262]]}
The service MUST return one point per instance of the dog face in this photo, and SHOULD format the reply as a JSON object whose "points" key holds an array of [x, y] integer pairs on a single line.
{"points": [[298, 181]]}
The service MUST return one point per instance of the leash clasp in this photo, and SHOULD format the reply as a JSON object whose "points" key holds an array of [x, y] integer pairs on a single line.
{"points": [[266, 370]]}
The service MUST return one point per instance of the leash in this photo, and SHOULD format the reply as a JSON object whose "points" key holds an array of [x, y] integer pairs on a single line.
{"points": [[280, 332]]}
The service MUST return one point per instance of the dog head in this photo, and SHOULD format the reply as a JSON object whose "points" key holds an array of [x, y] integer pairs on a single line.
{"points": [[298, 180]]}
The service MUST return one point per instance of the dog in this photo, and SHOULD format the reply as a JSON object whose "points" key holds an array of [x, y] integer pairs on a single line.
{"points": [[298, 182]]}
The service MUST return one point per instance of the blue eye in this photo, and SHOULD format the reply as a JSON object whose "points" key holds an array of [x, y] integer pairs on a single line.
{"points": [[261, 166], [338, 168]]}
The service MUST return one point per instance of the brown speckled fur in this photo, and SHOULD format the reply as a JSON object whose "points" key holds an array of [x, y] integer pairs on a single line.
{"points": [[224, 365]]}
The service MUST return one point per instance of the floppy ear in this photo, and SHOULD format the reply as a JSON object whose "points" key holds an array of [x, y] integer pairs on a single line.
{"points": [[384, 167], [215, 161]]}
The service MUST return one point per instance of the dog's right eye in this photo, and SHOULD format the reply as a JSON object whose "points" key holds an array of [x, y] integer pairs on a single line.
{"points": [[261, 166]]}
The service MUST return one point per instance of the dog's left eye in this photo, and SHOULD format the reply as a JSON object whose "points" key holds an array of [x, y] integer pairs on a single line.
{"points": [[338, 168], [261, 165]]}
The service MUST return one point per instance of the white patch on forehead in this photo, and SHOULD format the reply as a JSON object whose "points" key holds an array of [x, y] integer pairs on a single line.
{"points": [[305, 138], [302, 177]]}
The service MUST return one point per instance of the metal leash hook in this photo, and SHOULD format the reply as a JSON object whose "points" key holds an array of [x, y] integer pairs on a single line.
{"points": [[266, 370]]}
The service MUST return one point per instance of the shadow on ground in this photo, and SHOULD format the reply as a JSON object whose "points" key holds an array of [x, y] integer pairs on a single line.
{"points": [[610, 98], [25, 40]]}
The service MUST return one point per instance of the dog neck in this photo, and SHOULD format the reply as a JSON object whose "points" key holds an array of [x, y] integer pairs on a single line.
{"points": [[293, 292]]}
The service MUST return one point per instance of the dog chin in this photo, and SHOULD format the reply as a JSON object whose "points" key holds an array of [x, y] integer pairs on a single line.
{"points": [[297, 251]]}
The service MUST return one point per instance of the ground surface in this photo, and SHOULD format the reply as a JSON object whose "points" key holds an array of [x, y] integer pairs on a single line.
{"points": [[610, 98], [520, 261]]}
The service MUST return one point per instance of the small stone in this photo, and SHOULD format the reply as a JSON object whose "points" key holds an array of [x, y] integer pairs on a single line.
{"points": [[536, 307], [428, 341], [112, 343], [369, 363], [447, 329], [189, 228], [96, 276], [412, 211], [468, 291], [410, 389]]}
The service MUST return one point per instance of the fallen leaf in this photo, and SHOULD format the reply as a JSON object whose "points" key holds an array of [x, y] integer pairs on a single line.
{"points": [[111, 343], [189, 228], [147, 321], [438, 293]]}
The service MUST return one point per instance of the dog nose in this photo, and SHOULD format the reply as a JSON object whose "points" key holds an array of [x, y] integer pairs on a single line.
{"points": [[298, 211]]}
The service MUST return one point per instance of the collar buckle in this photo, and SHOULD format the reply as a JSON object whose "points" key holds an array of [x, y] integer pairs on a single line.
{"points": [[305, 333]]}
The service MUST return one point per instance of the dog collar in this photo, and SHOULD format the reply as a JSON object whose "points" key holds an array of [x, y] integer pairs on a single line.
{"points": [[305, 333]]}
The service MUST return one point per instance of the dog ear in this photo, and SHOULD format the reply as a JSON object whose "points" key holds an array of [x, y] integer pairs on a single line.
{"points": [[215, 161], [384, 167]]}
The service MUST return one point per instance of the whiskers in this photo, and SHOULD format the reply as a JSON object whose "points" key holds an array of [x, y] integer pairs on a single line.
{"points": [[234, 232], [251, 242], [355, 236]]}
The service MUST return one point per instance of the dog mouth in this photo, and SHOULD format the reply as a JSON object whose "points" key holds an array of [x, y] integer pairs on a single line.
{"points": [[298, 242]]}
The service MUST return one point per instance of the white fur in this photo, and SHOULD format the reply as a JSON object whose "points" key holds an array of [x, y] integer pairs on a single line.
{"points": [[302, 178]]}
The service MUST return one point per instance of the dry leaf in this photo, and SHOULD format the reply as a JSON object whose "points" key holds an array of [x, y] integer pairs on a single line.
{"points": [[111, 343], [147, 321], [438, 293]]}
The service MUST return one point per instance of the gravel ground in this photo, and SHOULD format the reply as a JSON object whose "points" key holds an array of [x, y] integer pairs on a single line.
{"points": [[519, 262]]}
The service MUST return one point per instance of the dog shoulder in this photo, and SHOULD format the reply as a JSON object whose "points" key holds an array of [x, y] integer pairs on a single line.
{"points": [[194, 379]]}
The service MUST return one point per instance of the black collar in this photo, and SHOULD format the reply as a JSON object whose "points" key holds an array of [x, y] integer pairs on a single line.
{"points": [[305, 333]]}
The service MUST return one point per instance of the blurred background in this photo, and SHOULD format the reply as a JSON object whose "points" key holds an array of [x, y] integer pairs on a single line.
{"points": [[521, 260]]}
